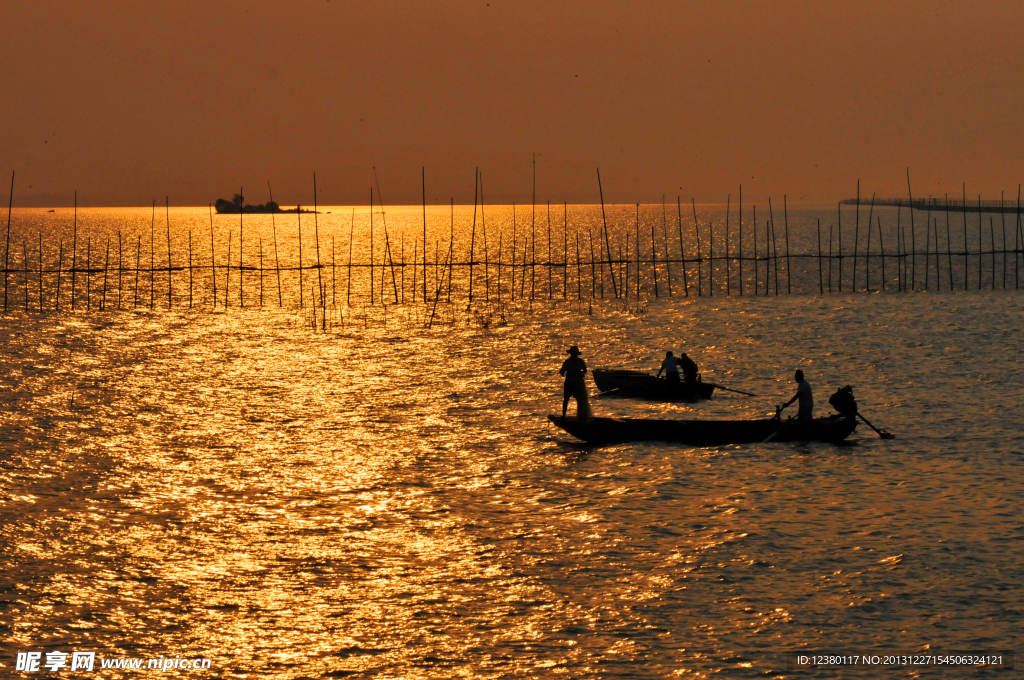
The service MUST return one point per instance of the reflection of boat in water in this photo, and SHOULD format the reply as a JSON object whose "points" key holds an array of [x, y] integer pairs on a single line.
{"points": [[706, 432], [234, 207], [646, 386]]}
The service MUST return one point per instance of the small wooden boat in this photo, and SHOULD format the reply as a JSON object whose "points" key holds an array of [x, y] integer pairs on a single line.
{"points": [[643, 385], [706, 432]]}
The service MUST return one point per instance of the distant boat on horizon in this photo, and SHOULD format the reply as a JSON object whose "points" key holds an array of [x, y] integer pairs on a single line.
{"points": [[234, 207]]}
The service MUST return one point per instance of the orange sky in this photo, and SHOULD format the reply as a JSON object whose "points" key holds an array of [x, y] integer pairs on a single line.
{"points": [[127, 101]]}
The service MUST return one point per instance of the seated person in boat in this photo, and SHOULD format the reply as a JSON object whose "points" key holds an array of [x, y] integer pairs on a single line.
{"points": [[803, 393], [671, 367], [689, 368], [575, 369]]}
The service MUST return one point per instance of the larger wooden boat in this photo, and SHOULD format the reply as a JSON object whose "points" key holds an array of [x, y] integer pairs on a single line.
{"points": [[706, 432], [646, 386]]}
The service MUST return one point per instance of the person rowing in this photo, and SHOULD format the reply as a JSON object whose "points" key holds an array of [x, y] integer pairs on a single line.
{"points": [[672, 367], [575, 370], [804, 395]]}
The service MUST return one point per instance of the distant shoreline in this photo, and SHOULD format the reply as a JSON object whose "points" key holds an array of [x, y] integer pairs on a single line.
{"points": [[936, 205]]}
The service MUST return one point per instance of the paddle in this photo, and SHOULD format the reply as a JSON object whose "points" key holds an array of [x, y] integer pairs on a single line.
{"points": [[881, 433], [729, 389], [778, 417]]}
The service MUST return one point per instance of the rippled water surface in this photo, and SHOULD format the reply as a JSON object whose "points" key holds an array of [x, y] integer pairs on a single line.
{"points": [[383, 500]]}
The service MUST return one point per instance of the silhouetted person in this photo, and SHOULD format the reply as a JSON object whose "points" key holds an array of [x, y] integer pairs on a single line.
{"points": [[671, 367], [803, 393], [689, 368], [575, 370]]}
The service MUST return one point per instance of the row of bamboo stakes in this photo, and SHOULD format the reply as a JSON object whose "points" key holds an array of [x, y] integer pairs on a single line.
{"points": [[524, 258]]}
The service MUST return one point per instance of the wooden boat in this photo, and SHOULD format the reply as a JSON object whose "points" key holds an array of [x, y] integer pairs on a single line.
{"points": [[706, 432], [646, 386]]}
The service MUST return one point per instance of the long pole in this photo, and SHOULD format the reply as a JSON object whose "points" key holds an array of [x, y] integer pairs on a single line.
{"points": [[7, 255], [152, 258], [423, 181], [190, 269], [740, 263], [856, 237], [881, 249], [74, 254], [949, 247], [241, 242], [277, 261], [472, 238], [821, 287], [867, 256], [213, 261], [839, 245], [316, 237], [533, 230], [775, 248], [979, 241], [604, 221], [351, 231], [682, 251], [550, 273], [60, 266], [513, 270], [785, 218], [963, 207], [593, 265], [565, 252], [913, 238], [106, 265], [696, 231], [728, 272], [138, 267], [483, 230], [167, 208], [298, 216]]}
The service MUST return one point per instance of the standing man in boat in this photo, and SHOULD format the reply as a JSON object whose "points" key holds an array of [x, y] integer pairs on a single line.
{"points": [[575, 370], [689, 368], [671, 367], [803, 393]]}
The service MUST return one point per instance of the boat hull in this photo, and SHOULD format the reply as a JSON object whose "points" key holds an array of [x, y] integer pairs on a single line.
{"points": [[642, 385], [705, 432]]}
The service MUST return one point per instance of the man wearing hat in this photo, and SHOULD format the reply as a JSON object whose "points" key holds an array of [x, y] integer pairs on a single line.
{"points": [[575, 370]]}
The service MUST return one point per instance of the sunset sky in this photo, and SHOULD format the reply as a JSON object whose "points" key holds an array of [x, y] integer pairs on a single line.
{"points": [[127, 101]]}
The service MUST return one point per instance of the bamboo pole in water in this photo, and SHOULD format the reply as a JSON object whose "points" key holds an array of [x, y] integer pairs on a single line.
{"points": [[74, 253], [711, 256], [593, 267], [1016, 244], [259, 246], [775, 248], [24, 257], [856, 239], [472, 239], [789, 269], [88, 273], [106, 265], [696, 231], [138, 267], [499, 267], [949, 247], [654, 253], [334, 273], [881, 249], [728, 264], [757, 274], [415, 256], [867, 257], [963, 207], [533, 231], [423, 180], [241, 243], [512, 294], [637, 249], [277, 261], [900, 244], [213, 261], [351, 232], [579, 267], [227, 272], [1002, 220], [740, 263], [451, 249], [821, 287], [120, 269], [60, 266], [152, 258], [927, 242], [298, 216], [829, 257], [316, 238], [979, 241], [664, 235], [41, 273], [190, 269], [565, 251], [7, 255], [913, 237], [992, 241], [483, 229], [551, 284], [604, 221], [839, 244]]}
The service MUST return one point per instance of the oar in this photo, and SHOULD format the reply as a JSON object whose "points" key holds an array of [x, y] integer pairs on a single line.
{"points": [[881, 433], [729, 389], [778, 416]]}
